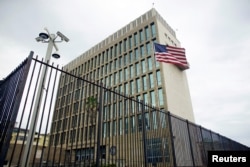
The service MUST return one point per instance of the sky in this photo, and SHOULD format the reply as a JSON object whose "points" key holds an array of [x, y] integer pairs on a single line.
{"points": [[215, 34]]}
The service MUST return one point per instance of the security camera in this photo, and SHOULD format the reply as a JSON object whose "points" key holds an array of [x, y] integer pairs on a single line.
{"points": [[38, 39], [62, 36]]}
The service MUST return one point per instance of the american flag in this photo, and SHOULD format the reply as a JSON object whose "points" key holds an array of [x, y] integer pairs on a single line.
{"points": [[170, 54]]}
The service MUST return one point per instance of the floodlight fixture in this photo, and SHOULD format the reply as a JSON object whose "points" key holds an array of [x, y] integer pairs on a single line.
{"points": [[56, 55], [44, 35]]}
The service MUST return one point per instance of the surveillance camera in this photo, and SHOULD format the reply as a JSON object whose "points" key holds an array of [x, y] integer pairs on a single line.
{"points": [[62, 36], [38, 39]]}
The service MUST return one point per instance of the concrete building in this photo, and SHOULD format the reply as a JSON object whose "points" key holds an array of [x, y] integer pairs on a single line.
{"points": [[125, 62]]}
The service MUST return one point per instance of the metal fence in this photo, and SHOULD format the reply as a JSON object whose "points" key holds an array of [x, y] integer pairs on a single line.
{"points": [[88, 124]]}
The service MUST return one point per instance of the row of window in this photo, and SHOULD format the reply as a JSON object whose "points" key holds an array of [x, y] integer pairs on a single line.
{"points": [[153, 120], [114, 104], [123, 52]]}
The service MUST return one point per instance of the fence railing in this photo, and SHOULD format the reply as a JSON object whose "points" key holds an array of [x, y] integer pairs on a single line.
{"points": [[84, 123]]}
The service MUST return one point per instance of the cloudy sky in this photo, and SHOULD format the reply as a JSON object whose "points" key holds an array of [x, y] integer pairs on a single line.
{"points": [[215, 33]]}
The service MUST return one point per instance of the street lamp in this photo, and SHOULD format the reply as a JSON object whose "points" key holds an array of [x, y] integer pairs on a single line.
{"points": [[51, 40]]}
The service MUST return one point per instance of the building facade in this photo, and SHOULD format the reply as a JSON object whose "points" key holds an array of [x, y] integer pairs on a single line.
{"points": [[123, 62]]}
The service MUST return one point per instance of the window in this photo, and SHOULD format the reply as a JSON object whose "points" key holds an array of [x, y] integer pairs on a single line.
{"points": [[131, 57], [160, 95], [153, 32], [114, 128], [145, 97], [138, 85], [151, 80], [137, 69], [104, 129], [142, 50], [135, 38], [131, 69], [120, 126], [152, 97], [158, 75], [136, 54], [144, 82], [147, 33], [154, 117], [126, 73], [141, 35], [132, 124], [130, 42], [150, 67], [148, 46], [131, 87], [126, 126], [157, 150], [143, 64], [120, 76]]}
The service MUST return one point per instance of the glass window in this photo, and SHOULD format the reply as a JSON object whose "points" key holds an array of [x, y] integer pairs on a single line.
{"points": [[116, 50], [141, 35], [135, 38], [131, 57], [147, 33], [139, 122], [137, 69], [143, 64], [111, 52], [152, 97], [151, 80], [132, 124], [131, 70], [136, 54], [147, 122], [145, 97], [138, 85], [150, 67], [163, 117], [120, 126], [120, 108], [120, 76], [131, 87], [114, 128], [154, 117], [158, 75], [160, 94], [157, 150], [153, 30], [126, 60], [120, 61], [130, 42], [144, 81], [104, 129], [120, 48], [148, 46], [142, 50], [125, 45], [126, 126], [126, 73]]}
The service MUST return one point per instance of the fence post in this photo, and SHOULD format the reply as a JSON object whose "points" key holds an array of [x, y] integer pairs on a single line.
{"points": [[99, 130], [190, 142], [144, 133], [172, 139]]}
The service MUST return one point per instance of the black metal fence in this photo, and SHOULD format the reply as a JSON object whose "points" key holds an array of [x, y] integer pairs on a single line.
{"points": [[84, 123]]}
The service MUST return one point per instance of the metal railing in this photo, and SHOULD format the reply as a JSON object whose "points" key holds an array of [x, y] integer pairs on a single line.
{"points": [[84, 123]]}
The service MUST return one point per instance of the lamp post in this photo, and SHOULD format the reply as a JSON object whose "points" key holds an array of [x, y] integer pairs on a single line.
{"points": [[51, 40]]}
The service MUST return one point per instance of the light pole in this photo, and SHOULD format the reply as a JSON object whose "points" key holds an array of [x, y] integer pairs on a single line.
{"points": [[51, 40]]}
